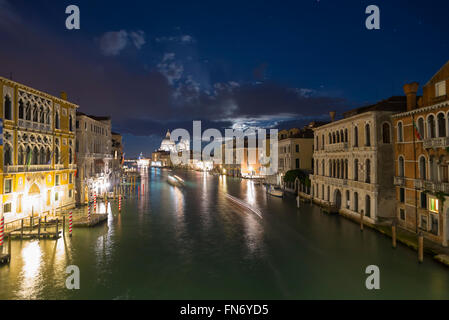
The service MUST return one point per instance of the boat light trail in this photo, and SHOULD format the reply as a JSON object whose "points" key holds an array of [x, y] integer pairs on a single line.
{"points": [[245, 205]]}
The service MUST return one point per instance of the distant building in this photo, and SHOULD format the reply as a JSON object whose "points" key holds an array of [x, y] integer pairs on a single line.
{"points": [[421, 136], [94, 155], [161, 157], [296, 150], [118, 158], [38, 150], [354, 161]]}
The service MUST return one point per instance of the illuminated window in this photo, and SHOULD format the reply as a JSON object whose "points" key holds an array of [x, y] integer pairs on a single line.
{"points": [[440, 89], [7, 208], [57, 180], [8, 185], [433, 205], [70, 193], [56, 196]]}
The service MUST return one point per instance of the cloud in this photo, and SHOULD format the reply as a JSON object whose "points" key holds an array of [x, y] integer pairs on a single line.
{"points": [[138, 38], [183, 39], [114, 42]]}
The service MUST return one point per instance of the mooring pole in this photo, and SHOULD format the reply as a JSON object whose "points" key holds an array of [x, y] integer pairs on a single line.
{"points": [[361, 220], [393, 234], [420, 247]]}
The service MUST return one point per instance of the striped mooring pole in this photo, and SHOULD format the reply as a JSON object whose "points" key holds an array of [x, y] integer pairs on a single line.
{"points": [[88, 212], [2, 230], [95, 202], [70, 223], [120, 203]]}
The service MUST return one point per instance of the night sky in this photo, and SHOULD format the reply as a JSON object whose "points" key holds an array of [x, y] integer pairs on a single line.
{"points": [[158, 65]]}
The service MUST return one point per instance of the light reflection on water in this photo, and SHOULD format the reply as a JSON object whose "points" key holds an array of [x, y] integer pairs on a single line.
{"points": [[192, 242]]}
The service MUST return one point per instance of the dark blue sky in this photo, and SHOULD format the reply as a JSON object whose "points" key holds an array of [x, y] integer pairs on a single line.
{"points": [[154, 65]]}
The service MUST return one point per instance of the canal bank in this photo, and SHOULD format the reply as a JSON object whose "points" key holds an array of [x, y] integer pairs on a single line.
{"points": [[194, 243], [408, 238]]}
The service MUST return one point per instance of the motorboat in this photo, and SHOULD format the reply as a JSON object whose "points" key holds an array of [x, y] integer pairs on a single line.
{"points": [[275, 191], [175, 180]]}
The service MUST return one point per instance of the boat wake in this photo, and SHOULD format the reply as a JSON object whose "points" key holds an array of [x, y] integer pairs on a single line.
{"points": [[245, 205]]}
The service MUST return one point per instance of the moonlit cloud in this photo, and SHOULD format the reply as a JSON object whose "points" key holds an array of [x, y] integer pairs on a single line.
{"points": [[114, 42]]}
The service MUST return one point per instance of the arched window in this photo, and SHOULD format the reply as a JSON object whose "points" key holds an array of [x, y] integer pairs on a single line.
{"points": [[368, 171], [431, 127], [71, 128], [28, 156], [356, 136], [8, 108], [322, 168], [368, 206], [21, 109], [356, 170], [7, 153], [330, 168], [441, 125], [21, 158], [42, 115], [70, 156], [330, 139], [57, 120], [35, 113], [367, 135], [348, 199], [338, 137], [28, 112], [421, 127], [346, 135], [48, 157], [48, 116], [422, 168], [400, 132], [334, 138], [35, 156], [57, 155], [356, 202], [346, 168], [401, 166], [322, 142], [42, 156], [386, 133]]}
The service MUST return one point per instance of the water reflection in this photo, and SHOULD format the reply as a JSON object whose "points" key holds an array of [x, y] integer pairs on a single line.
{"points": [[32, 262]]}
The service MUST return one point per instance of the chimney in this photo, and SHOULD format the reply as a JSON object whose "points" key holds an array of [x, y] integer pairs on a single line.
{"points": [[64, 95], [410, 90], [332, 115]]}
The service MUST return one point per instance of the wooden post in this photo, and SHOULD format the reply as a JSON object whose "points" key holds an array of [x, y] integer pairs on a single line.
{"points": [[63, 226], [420, 247], [393, 234], [57, 227], [39, 229], [21, 230], [45, 223], [9, 246]]}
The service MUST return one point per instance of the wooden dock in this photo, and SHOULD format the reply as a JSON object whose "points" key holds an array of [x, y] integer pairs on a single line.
{"points": [[95, 220]]}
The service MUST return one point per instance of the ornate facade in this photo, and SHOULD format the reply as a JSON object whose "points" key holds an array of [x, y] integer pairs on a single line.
{"points": [[38, 151], [94, 155], [421, 159], [354, 164]]}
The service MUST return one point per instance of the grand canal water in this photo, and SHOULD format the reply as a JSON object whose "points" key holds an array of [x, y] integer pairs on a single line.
{"points": [[194, 243]]}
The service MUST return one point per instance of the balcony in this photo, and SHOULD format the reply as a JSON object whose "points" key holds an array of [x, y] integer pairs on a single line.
{"points": [[34, 125], [342, 146], [442, 142], [31, 168], [399, 181], [432, 186]]}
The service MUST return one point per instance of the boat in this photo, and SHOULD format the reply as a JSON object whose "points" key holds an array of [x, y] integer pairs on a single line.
{"points": [[275, 191], [174, 180]]}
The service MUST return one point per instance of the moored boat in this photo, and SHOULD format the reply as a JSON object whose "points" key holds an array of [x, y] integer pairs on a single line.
{"points": [[174, 180], [275, 191]]}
